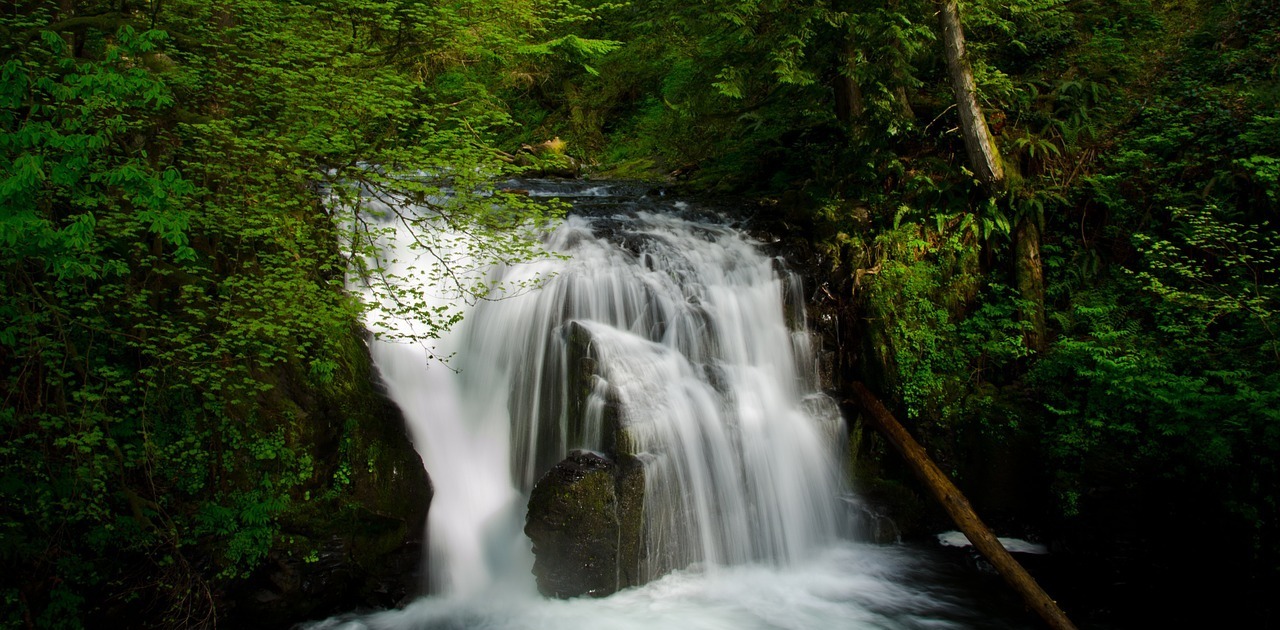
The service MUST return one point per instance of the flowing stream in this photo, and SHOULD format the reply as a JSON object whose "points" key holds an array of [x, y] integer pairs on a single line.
{"points": [[696, 337]]}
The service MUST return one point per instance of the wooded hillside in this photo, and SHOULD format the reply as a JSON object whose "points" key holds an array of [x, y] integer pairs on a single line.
{"points": [[1089, 276]]}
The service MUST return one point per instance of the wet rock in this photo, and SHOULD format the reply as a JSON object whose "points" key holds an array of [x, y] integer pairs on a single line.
{"points": [[585, 514], [581, 374], [350, 545], [868, 521], [630, 483], [585, 521]]}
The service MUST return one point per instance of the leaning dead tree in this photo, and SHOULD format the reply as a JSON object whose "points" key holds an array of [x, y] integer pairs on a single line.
{"points": [[957, 506], [984, 156], [988, 167]]}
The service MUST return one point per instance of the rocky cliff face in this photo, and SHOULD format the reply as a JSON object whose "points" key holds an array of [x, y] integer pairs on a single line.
{"points": [[356, 541]]}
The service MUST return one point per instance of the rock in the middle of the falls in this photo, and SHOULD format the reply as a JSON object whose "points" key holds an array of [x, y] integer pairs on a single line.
{"points": [[585, 520]]}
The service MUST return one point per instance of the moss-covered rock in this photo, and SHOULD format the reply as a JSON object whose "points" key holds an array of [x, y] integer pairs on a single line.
{"points": [[354, 539], [573, 523], [586, 514], [585, 520], [630, 483]]}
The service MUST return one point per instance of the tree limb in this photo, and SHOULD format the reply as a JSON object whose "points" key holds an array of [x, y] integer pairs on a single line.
{"points": [[957, 506]]}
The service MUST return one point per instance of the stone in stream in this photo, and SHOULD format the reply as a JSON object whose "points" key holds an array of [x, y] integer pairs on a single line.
{"points": [[585, 514], [585, 521]]}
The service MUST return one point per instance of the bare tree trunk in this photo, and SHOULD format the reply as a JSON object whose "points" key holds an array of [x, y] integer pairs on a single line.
{"points": [[957, 506], [984, 157], [849, 103], [66, 11], [987, 165], [1028, 277], [904, 103]]}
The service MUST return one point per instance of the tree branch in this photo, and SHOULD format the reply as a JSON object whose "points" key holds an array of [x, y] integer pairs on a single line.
{"points": [[957, 506]]}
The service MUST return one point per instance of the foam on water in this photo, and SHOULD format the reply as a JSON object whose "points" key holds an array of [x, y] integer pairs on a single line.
{"points": [[847, 586], [1012, 545]]}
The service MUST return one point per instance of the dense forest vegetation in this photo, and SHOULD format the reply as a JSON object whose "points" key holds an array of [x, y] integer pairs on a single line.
{"points": [[176, 186]]}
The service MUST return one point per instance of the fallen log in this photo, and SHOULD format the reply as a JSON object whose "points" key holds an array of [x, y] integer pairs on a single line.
{"points": [[957, 506]]}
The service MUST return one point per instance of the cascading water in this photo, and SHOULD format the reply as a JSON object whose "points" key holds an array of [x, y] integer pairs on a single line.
{"points": [[686, 325]]}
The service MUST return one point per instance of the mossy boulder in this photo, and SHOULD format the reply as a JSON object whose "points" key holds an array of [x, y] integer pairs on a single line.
{"points": [[630, 487], [586, 513], [585, 520]]}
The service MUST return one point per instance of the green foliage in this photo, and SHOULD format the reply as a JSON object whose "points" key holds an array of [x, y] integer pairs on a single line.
{"points": [[173, 277], [697, 87], [1217, 269], [1182, 397], [1144, 138], [937, 351], [184, 190], [573, 48], [1165, 371]]}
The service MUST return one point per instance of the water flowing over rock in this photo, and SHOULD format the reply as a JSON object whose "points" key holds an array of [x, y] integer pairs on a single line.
{"points": [[666, 339], [651, 417]]}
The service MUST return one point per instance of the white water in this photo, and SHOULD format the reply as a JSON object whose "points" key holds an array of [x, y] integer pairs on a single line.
{"points": [[1012, 545], [848, 586], [686, 322]]}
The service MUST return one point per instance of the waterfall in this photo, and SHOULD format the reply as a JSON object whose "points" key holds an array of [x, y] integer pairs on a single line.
{"points": [[668, 334], [686, 320]]}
